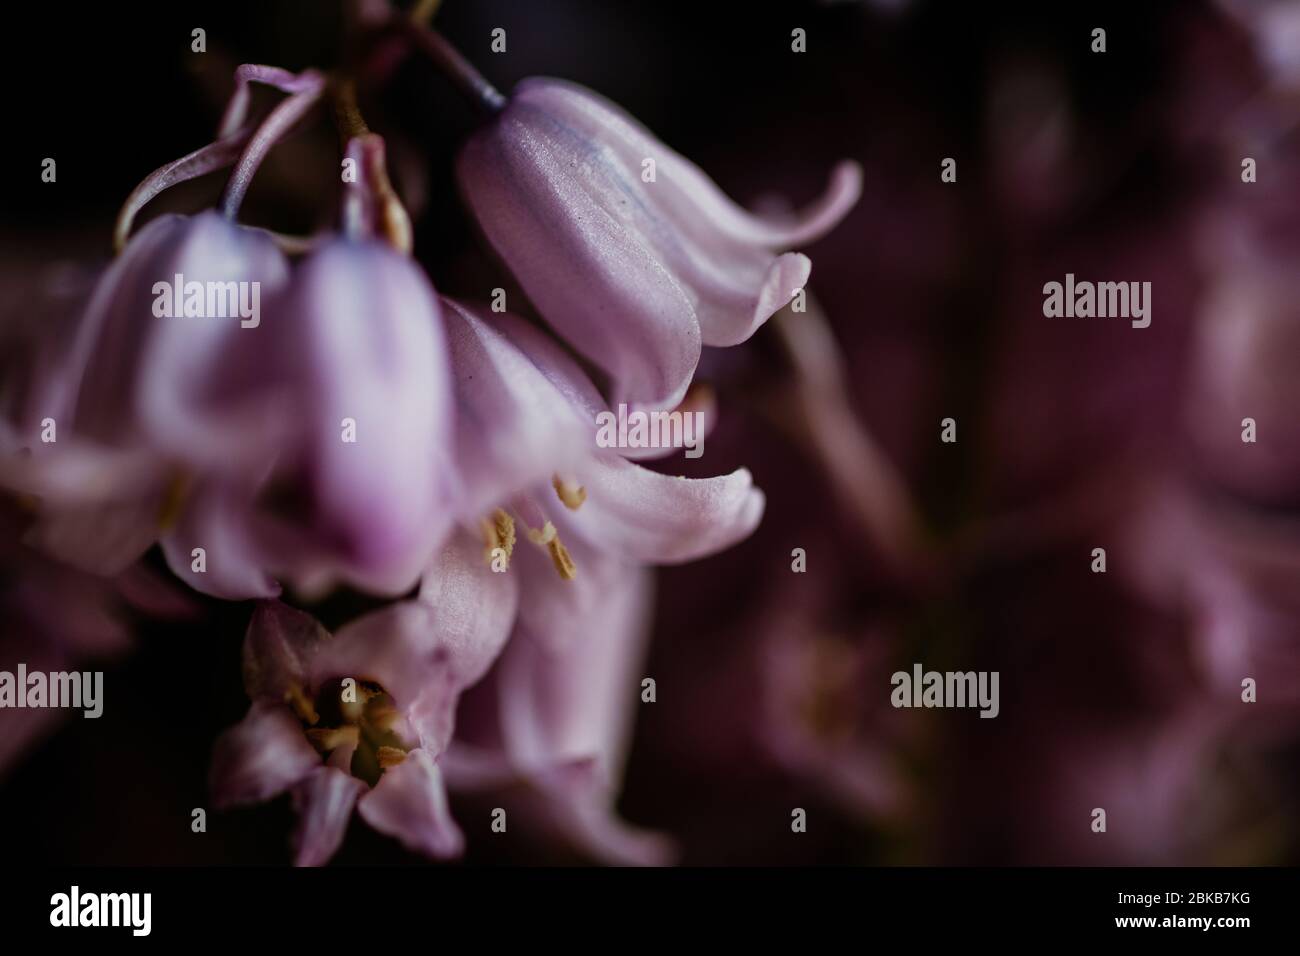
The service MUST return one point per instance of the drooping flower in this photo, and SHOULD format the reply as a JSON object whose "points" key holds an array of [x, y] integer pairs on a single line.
{"points": [[557, 714], [628, 249], [360, 719], [527, 435], [366, 476], [261, 422], [144, 400], [551, 726]]}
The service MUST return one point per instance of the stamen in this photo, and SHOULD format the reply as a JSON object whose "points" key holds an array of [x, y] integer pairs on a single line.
{"points": [[390, 756], [301, 704], [453, 65], [498, 532], [573, 495], [326, 739], [560, 558], [543, 534], [549, 539], [383, 717]]}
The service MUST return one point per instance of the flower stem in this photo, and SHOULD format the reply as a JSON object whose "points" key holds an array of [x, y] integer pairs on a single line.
{"points": [[277, 123], [212, 157], [453, 65], [246, 74]]}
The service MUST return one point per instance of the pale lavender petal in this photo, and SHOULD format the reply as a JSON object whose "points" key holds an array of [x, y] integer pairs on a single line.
{"points": [[324, 803], [74, 473], [364, 327], [208, 393], [102, 539], [522, 406], [260, 757], [96, 508], [425, 652], [278, 648], [189, 388], [469, 769], [473, 606], [586, 818], [395, 646], [553, 610], [216, 520], [571, 697], [642, 515], [585, 155], [410, 804], [594, 116], [557, 225], [566, 706]]}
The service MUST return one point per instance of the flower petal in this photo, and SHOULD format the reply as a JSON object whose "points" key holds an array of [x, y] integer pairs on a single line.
{"points": [[643, 515], [589, 272], [102, 539], [205, 392], [522, 405], [278, 648], [695, 194], [365, 335], [720, 254], [190, 387], [217, 520], [566, 704], [473, 606], [410, 804], [425, 652], [580, 807], [324, 803], [573, 697], [260, 757]]}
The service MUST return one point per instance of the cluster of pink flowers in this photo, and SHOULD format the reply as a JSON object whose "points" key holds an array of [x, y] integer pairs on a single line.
{"points": [[363, 431]]}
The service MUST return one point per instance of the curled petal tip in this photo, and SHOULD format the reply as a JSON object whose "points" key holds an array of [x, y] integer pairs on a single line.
{"points": [[787, 274], [841, 195]]}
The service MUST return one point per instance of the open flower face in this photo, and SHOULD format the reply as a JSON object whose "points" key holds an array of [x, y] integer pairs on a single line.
{"points": [[361, 718]]}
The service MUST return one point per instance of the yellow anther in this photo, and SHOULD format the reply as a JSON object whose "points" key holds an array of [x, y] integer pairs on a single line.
{"points": [[326, 739], [301, 704], [560, 558], [498, 533], [547, 537], [572, 495]]}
